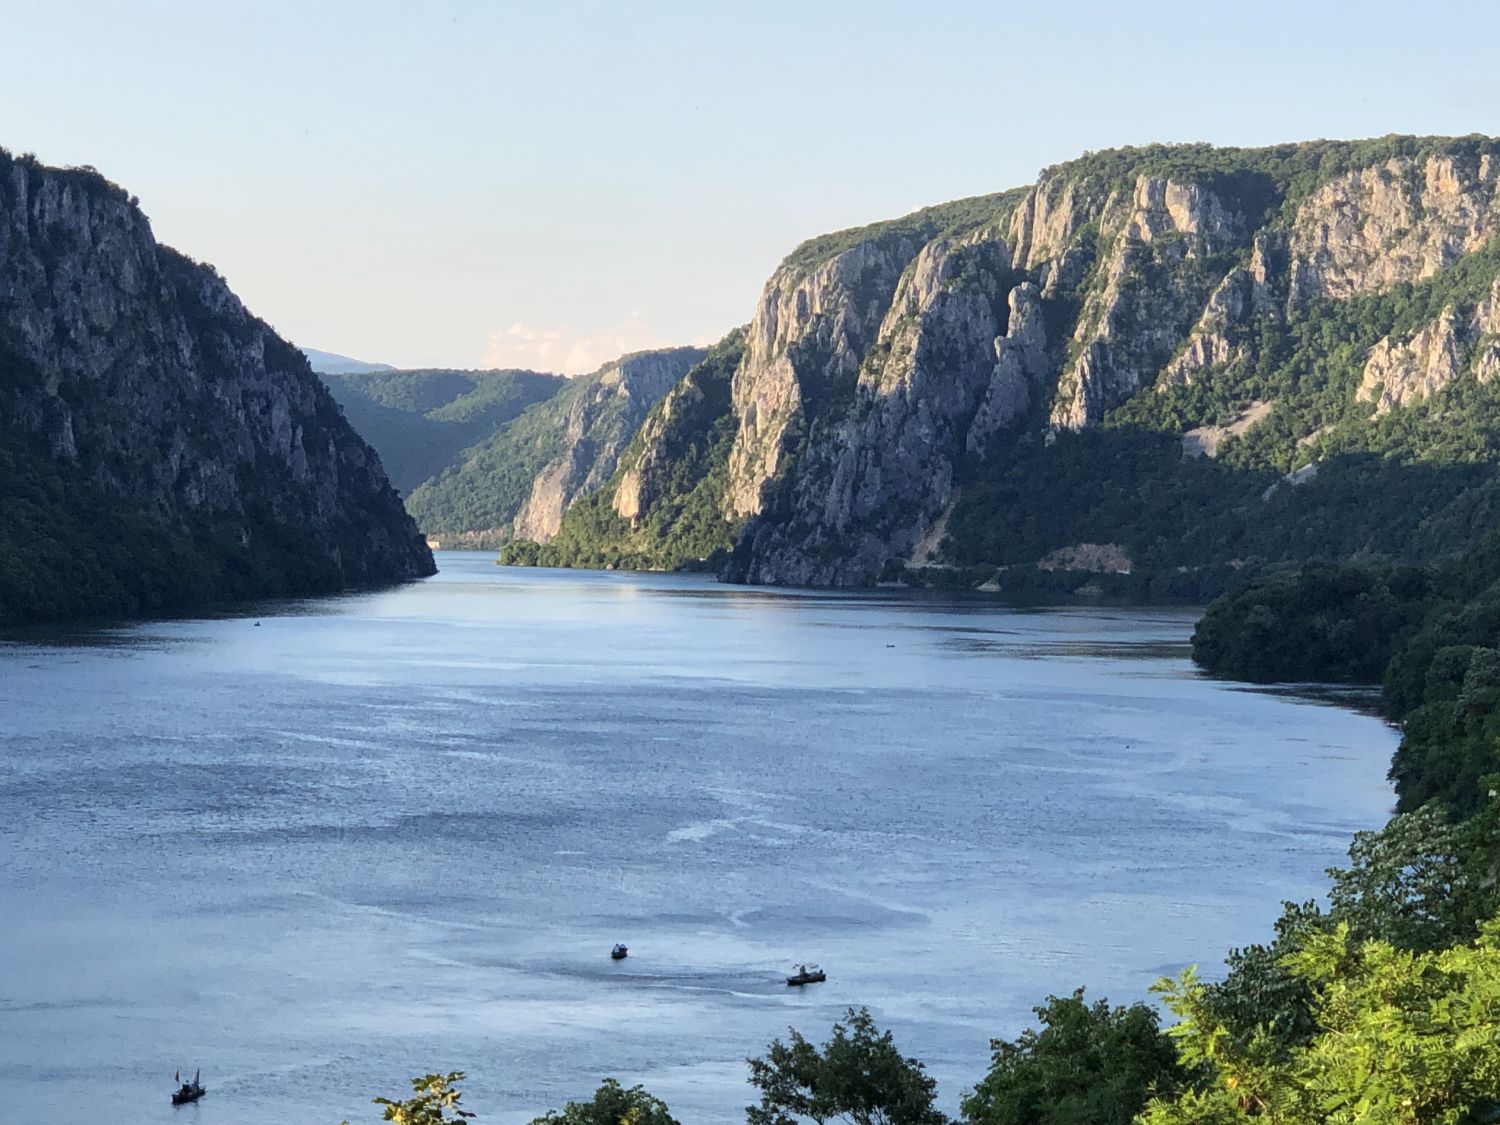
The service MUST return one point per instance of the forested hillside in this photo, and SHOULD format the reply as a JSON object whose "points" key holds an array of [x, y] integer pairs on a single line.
{"points": [[421, 421], [160, 447]]}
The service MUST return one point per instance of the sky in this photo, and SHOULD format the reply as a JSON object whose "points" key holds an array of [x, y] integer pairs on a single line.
{"points": [[550, 184]]}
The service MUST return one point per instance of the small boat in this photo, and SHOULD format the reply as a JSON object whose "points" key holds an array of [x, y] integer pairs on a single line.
{"points": [[807, 974], [188, 1094], [618, 953], [189, 1091]]}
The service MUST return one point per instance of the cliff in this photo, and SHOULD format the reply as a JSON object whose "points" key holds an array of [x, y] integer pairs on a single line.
{"points": [[518, 480], [160, 447], [664, 507], [1206, 359]]}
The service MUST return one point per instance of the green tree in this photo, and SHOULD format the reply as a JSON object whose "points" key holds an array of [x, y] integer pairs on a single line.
{"points": [[1407, 884], [435, 1096], [1089, 1064], [858, 1076], [1262, 1004], [1405, 1038], [612, 1104]]}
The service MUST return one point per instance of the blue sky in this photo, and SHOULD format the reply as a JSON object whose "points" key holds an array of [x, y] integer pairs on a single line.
{"points": [[548, 184]]}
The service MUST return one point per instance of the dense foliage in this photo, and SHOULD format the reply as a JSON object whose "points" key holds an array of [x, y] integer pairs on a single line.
{"points": [[1338, 623], [858, 1076], [1402, 1037], [612, 1104], [434, 1098], [421, 422], [69, 550], [1090, 1064]]}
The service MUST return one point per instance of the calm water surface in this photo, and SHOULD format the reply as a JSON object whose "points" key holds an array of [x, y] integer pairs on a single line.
{"points": [[377, 835]]}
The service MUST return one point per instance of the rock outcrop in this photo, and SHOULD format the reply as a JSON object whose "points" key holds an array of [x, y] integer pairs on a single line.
{"points": [[1400, 372], [134, 375], [807, 340], [602, 416], [1168, 245], [1402, 219], [882, 472]]}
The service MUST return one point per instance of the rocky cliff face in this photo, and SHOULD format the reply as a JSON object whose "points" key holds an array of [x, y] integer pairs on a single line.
{"points": [[133, 373], [1399, 220], [1399, 372], [602, 416], [878, 376], [875, 474], [1212, 324]]}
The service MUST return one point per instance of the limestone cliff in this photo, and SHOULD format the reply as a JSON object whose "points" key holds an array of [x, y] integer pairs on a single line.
{"points": [[1399, 372], [602, 416], [159, 445], [929, 388], [523, 469], [874, 477]]}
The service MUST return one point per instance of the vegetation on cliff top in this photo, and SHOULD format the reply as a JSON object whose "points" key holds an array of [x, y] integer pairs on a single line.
{"points": [[958, 217]]}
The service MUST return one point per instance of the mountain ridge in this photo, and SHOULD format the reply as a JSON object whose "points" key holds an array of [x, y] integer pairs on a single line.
{"points": [[910, 391], [331, 363]]}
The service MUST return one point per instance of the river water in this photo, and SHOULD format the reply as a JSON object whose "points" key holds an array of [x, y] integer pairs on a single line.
{"points": [[339, 842]]}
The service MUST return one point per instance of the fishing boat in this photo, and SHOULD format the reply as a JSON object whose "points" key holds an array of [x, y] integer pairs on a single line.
{"points": [[189, 1091], [807, 974], [618, 953]]}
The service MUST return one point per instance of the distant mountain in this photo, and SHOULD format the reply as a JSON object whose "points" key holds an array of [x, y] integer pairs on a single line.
{"points": [[160, 447], [331, 363], [421, 422]]}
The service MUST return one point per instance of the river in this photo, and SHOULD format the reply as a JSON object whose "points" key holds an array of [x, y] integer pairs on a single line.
{"points": [[325, 845]]}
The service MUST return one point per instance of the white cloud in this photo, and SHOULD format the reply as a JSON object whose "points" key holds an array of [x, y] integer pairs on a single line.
{"points": [[566, 349]]}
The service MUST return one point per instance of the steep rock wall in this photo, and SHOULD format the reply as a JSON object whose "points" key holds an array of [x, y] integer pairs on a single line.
{"points": [[139, 375], [890, 368], [601, 419]]}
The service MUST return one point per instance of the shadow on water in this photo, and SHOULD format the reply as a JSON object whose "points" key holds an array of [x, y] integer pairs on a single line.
{"points": [[136, 632], [1361, 698], [1093, 649]]}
